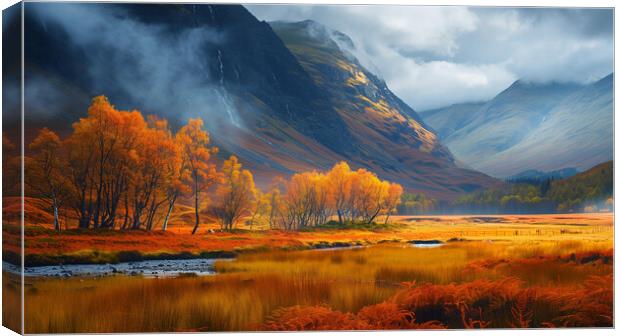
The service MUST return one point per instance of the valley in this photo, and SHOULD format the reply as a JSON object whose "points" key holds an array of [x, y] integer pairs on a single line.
{"points": [[219, 168]]}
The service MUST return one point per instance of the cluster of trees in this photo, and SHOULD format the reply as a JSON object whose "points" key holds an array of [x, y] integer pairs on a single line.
{"points": [[416, 204], [591, 190], [311, 198], [588, 191], [508, 198], [118, 169]]}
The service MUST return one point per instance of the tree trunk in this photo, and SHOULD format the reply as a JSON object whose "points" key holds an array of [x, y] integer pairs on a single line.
{"points": [[196, 208], [387, 216], [56, 221], [150, 215], [373, 216], [126, 221], [98, 205], [84, 221], [339, 216], [170, 206], [254, 215]]}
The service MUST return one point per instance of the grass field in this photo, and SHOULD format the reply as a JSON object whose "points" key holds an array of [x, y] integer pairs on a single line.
{"points": [[45, 246], [497, 271]]}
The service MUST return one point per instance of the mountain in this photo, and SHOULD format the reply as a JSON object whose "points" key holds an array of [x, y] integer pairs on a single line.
{"points": [[392, 139], [519, 128], [578, 132], [283, 97]]}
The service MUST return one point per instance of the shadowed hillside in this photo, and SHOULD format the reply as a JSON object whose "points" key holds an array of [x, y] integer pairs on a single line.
{"points": [[390, 136]]}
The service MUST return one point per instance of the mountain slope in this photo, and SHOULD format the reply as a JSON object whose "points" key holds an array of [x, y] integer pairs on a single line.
{"points": [[578, 132], [280, 113], [447, 120], [392, 139], [589, 188], [521, 126]]}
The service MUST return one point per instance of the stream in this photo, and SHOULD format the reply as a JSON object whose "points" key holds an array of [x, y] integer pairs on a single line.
{"points": [[147, 268], [155, 268]]}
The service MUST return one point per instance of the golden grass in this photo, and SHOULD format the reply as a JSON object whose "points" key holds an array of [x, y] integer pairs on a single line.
{"points": [[42, 241], [11, 301], [254, 286], [536, 249]]}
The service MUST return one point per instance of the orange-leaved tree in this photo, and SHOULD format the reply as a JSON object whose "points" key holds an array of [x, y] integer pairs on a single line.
{"points": [[195, 153], [156, 170], [235, 195], [171, 165], [44, 170], [101, 154]]}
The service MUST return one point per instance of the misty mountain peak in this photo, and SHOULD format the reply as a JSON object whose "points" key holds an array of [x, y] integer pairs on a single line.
{"points": [[525, 85]]}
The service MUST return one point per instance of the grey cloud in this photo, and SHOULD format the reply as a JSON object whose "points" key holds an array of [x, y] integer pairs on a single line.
{"points": [[434, 56]]}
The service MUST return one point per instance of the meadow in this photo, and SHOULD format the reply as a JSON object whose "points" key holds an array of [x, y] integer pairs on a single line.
{"points": [[492, 272]]}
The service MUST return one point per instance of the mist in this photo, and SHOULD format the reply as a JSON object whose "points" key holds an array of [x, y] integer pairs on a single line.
{"points": [[137, 65]]}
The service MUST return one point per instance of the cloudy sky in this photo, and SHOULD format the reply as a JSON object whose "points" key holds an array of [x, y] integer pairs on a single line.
{"points": [[435, 56]]}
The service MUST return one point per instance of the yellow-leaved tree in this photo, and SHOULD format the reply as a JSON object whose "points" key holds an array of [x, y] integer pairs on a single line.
{"points": [[235, 195], [339, 188]]}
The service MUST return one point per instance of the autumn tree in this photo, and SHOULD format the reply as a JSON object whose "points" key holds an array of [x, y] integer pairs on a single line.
{"points": [[103, 120], [81, 171], [261, 209], [155, 172], [195, 154], [275, 199], [171, 166], [45, 169], [299, 200], [392, 199], [371, 193], [125, 163], [339, 188], [306, 201], [101, 152], [235, 195]]}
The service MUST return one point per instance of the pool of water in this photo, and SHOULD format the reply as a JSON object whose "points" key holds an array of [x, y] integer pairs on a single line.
{"points": [[426, 243]]}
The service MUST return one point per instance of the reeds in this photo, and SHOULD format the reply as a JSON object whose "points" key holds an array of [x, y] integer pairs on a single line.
{"points": [[466, 284]]}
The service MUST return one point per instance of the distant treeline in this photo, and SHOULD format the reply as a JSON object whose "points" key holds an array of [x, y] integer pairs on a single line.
{"points": [[589, 191]]}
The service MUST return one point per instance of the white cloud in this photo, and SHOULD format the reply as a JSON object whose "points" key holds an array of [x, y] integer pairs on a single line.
{"points": [[433, 56]]}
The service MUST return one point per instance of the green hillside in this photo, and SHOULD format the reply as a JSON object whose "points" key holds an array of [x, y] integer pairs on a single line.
{"points": [[589, 191]]}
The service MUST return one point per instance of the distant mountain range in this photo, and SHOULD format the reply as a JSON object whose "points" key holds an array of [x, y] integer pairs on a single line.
{"points": [[528, 126], [538, 175], [284, 97]]}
